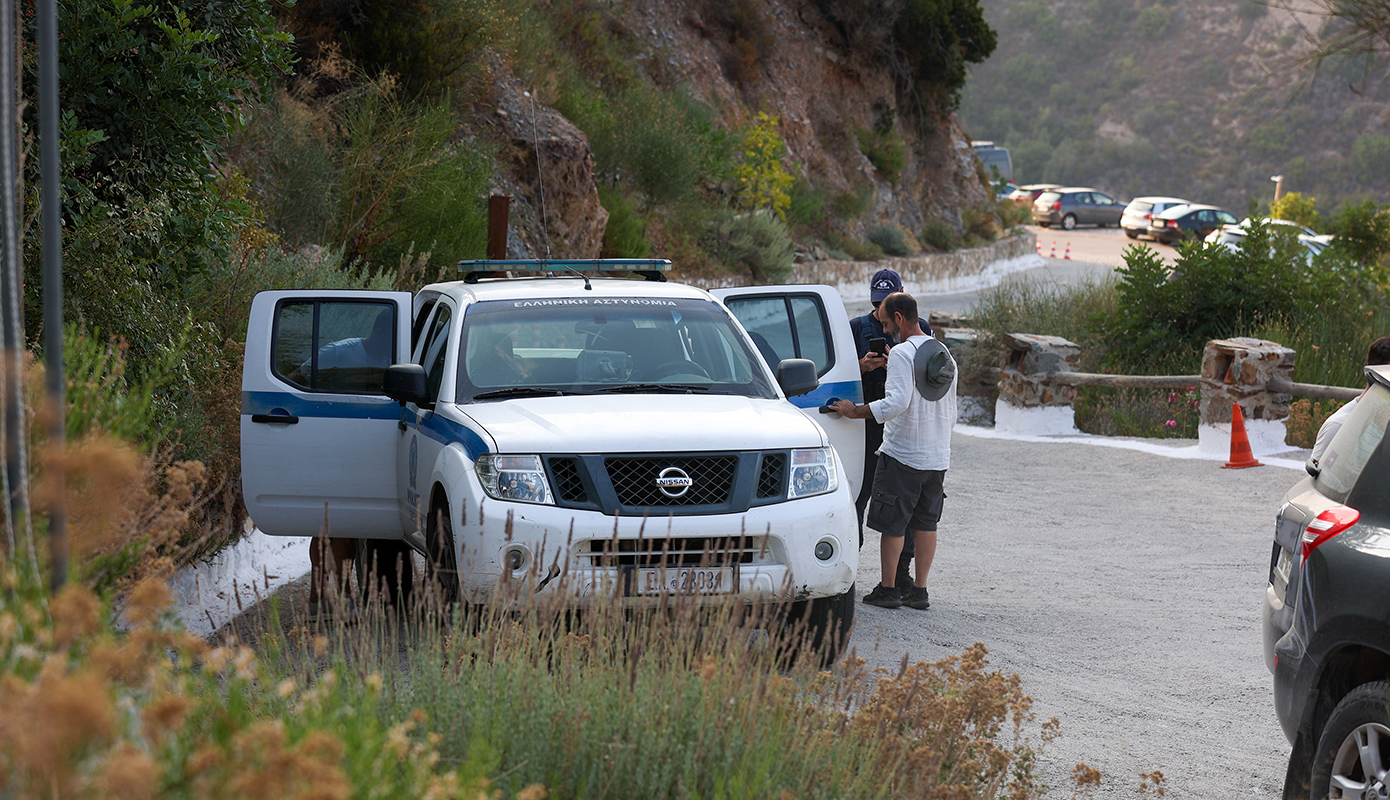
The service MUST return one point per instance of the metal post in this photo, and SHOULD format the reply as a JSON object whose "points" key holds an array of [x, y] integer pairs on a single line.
{"points": [[498, 207], [11, 291], [52, 280]]}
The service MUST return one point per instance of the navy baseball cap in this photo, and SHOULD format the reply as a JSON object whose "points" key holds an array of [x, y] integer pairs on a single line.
{"points": [[884, 283]]}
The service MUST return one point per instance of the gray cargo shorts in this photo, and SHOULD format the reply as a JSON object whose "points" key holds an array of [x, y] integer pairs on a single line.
{"points": [[905, 499]]}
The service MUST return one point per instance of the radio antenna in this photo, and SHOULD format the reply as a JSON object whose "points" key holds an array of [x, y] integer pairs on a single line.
{"points": [[540, 174]]}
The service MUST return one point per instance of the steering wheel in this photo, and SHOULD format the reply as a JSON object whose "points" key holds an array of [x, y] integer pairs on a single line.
{"points": [[678, 366]]}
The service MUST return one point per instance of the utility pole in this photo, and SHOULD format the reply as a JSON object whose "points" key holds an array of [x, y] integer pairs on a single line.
{"points": [[51, 213], [16, 471]]}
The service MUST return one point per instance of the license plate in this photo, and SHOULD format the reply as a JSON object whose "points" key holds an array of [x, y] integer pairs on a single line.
{"points": [[1284, 566], [682, 580]]}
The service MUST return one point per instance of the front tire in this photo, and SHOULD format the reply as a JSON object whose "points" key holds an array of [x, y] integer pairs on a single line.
{"points": [[820, 628], [1069, 222], [1131, 234], [441, 560], [1353, 752]]}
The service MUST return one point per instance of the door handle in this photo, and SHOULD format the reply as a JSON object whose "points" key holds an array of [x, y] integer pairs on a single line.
{"points": [[402, 425], [282, 419]]}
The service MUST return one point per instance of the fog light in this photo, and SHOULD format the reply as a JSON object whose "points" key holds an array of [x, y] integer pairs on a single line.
{"points": [[514, 558], [825, 551]]}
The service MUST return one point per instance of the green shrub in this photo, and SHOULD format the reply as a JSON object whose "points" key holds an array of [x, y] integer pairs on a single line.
{"points": [[403, 180], [432, 46], [855, 249], [626, 233], [1251, 9], [1370, 157], [756, 242], [665, 143], [763, 181], [1154, 22], [884, 148], [852, 205], [807, 206], [1296, 208], [1363, 237], [939, 236], [892, 240], [101, 398], [1213, 292]]}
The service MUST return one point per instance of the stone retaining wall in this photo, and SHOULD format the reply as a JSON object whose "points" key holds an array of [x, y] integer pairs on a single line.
{"points": [[942, 272]]}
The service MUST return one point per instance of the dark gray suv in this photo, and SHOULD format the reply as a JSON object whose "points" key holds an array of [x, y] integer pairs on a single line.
{"points": [[1326, 614]]}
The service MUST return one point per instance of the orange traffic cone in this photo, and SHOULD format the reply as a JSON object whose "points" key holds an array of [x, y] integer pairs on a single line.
{"points": [[1054, 249], [1040, 247], [1241, 457], [1068, 255]]}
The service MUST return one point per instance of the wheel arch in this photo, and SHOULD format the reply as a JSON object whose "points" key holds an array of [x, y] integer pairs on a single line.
{"points": [[1344, 669]]}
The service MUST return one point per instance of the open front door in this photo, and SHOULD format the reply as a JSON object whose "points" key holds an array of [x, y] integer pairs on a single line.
{"points": [[809, 322], [318, 437]]}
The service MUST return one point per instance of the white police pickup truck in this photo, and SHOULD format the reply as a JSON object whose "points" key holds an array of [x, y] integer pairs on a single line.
{"points": [[565, 434]]}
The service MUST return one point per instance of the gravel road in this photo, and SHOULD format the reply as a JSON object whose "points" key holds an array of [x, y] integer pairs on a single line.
{"points": [[1124, 588]]}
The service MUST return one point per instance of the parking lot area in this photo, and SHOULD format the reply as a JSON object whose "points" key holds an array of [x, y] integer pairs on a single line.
{"points": [[1124, 588]]}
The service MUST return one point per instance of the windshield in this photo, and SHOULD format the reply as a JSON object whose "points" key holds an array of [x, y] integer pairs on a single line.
{"points": [[513, 348], [1049, 197], [1354, 444]]}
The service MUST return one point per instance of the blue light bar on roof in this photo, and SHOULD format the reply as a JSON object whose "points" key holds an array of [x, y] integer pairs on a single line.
{"points": [[534, 265]]}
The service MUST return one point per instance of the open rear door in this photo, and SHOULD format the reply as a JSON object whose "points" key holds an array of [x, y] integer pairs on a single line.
{"points": [[318, 437], [809, 322]]}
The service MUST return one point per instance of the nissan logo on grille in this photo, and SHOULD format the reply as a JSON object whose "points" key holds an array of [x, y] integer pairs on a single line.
{"points": [[673, 482]]}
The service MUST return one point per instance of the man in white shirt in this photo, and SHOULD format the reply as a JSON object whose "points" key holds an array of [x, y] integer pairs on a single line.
{"points": [[917, 412], [1379, 354]]}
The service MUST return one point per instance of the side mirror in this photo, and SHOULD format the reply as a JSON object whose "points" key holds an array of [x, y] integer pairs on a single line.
{"points": [[406, 383], [797, 376]]}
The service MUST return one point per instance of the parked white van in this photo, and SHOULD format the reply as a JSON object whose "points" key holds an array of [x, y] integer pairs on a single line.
{"points": [[579, 435]]}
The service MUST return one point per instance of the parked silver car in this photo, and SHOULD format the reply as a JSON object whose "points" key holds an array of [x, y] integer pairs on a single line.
{"points": [[1076, 205], [1141, 210]]}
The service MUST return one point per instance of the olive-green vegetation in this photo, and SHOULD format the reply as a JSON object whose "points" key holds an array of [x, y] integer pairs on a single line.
{"points": [[929, 43], [1153, 319], [1143, 97], [681, 702]]}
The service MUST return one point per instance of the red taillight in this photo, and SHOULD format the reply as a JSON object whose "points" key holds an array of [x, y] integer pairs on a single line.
{"points": [[1148, 216], [1057, 206], [1328, 524], [1172, 223]]}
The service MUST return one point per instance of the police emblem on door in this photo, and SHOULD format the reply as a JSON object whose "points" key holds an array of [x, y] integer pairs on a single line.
{"points": [[673, 482]]}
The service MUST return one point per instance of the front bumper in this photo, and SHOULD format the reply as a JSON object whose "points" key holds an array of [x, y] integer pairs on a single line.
{"points": [[766, 553]]}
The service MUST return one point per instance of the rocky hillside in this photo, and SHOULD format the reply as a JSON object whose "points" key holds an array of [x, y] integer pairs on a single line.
{"points": [[1197, 98], [729, 61]]}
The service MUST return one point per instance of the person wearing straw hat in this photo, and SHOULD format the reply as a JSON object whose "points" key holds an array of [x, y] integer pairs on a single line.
{"points": [[917, 411]]}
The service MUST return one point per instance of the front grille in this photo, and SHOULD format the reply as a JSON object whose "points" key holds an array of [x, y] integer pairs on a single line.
{"points": [[568, 485], [670, 552], [634, 479], [772, 476]]}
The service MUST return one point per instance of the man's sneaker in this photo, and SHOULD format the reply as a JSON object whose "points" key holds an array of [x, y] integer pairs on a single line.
{"points": [[884, 597], [917, 598]]}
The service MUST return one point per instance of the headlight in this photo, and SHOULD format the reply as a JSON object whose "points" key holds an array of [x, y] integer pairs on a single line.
{"points": [[517, 478], [813, 472]]}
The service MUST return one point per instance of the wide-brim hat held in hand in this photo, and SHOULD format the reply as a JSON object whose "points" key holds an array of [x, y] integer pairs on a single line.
{"points": [[933, 370]]}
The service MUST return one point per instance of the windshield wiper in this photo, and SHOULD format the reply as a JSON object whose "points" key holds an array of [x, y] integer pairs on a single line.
{"points": [[654, 387], [522, 391]]}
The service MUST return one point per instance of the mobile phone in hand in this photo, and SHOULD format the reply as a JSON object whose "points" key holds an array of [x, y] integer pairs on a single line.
{"points": [[879, 345]]}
